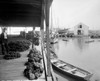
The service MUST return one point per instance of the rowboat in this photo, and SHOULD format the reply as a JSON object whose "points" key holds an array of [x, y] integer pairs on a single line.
{"points": [[65, 39], [70, 70], [89, 41]]}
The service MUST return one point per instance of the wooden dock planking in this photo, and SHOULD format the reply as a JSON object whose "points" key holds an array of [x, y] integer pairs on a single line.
{"points": [[13, 69]]}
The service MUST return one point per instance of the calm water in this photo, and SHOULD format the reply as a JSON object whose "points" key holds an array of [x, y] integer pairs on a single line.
{"points": [[79, 53]]}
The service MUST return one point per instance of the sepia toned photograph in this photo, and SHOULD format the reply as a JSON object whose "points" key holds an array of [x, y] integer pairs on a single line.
{"points": [[49, 40]]}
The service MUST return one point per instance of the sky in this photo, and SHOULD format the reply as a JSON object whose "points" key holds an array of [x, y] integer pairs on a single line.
{"points": [[68, 13]]}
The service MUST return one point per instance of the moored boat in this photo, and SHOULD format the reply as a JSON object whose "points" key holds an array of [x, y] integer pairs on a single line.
{"points": [[65, 39], [89, 41], [70, 70]]}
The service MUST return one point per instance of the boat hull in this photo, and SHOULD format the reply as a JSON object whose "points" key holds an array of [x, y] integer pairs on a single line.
{"points": [[67, 74]]}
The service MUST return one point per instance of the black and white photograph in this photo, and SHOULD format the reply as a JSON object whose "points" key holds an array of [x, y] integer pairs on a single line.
{"points": [[49, 40]]}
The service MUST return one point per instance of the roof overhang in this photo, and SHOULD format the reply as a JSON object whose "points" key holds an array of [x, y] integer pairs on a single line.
{"points": [[20, 12]]}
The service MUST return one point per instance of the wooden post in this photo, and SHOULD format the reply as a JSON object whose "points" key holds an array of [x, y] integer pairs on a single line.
{"points": [[33, 37], [51, 76], [10, 30], [42, 39], [25, 31], [47, 38]]}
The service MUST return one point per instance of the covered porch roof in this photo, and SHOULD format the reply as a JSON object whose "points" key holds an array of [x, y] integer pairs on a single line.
{"points": [[20, 12]]}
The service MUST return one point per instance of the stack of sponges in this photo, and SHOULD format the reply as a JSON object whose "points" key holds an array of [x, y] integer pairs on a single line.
{"points": [[19, 45], [12, 55], [34, 67]]}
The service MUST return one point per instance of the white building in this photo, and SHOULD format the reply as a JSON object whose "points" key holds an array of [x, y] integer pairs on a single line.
{"points": [[81, 30]]}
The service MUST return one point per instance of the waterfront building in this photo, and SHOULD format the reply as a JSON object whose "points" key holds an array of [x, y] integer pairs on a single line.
{"points": [[81, 30]]}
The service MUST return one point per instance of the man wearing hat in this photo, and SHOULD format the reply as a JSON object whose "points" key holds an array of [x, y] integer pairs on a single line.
{"points": [[4, 41]]}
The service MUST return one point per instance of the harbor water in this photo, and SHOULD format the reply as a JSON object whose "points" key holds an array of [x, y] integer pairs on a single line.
{"points": [[81, 52]]}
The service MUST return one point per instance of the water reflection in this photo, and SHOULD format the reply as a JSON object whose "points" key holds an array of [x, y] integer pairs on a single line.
{"points": [[80, 43], [81, 54], [56, 46]]}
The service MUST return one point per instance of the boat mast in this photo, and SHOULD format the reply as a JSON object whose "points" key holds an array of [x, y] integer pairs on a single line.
{"points": [[46, 55], [51, 22]]}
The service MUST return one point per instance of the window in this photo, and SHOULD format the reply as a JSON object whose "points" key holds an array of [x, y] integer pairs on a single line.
{"points": [[79, 32], [80, 26]]}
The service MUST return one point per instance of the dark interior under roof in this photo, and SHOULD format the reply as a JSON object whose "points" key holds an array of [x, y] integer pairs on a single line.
{"points": [[20, 12]]}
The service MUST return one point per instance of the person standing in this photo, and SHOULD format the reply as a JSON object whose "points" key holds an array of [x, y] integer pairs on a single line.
{"points": [[4, 41]]}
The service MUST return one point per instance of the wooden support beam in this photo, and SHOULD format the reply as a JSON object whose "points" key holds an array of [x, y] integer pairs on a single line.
{"points": [[33, 37], [47, 7], [42, 40]]}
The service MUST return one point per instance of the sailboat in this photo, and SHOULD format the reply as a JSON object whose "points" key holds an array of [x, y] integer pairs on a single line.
{"points": [[53, 39]]}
